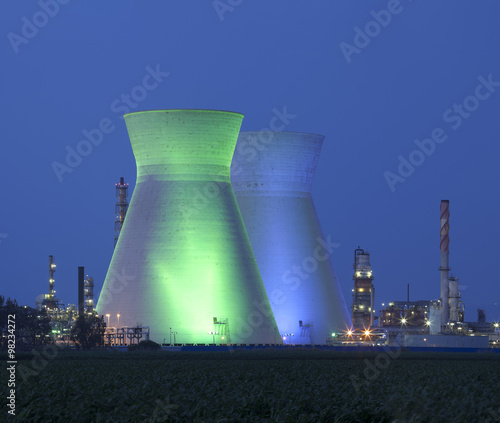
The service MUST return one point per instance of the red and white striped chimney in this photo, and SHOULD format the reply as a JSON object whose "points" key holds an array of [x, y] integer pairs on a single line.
{"points": [[444, 269]]}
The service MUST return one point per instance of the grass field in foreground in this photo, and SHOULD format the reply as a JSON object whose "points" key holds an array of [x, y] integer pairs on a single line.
{"points": [[281, 386]]}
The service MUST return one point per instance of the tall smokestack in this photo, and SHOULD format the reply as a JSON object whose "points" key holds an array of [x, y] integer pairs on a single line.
{"points": [[444, 268], [81, 284]]}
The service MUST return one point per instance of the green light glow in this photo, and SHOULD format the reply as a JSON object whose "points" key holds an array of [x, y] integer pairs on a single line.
{"points": [[183, 242]]}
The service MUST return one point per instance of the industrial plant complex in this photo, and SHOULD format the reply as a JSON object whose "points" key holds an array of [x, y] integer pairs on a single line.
{"points": [[221, 245]]}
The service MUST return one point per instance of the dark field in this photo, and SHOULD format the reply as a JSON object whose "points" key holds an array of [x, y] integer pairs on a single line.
{"points": [[253, 386]]}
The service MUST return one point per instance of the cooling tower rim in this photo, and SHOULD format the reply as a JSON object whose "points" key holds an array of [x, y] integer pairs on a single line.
{"points": [[283, 132], [182, 110]]}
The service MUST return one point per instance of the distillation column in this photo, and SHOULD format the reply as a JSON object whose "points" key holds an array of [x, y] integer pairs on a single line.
{"points": [[121, 206]]}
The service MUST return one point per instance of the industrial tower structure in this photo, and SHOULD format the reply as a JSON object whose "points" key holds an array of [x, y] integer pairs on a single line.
{"points": [[50, 301], [184, 256], [85, 293], [88, 288], [444, 269], [451, 312], [272, 175], [363, 295], [121, 206]]}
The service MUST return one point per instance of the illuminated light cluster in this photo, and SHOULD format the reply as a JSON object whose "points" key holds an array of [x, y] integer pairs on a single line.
{"points": [[183, 256], [272, 174]]}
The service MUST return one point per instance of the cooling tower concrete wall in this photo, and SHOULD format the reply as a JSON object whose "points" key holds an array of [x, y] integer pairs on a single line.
{"points": [[272, 174], [183, 256]]}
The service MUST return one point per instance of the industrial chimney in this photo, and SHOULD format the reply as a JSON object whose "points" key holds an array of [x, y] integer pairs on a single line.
{"points": [[120, 207], [444, 268], [183, 263], [272, 174]]}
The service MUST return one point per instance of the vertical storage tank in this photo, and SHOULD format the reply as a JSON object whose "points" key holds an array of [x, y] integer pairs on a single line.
{"points": [[183, 263], [272, 174]]}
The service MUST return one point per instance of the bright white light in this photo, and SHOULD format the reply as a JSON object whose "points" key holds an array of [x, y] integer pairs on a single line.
{"points": [[403, 321], [367, 332], [349, 332]]}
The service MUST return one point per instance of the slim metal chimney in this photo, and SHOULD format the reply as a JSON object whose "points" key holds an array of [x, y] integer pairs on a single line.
{"points": [[444, 268]]}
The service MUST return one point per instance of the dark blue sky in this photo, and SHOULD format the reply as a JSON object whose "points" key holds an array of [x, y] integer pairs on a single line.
{"points": [[411, 76]]}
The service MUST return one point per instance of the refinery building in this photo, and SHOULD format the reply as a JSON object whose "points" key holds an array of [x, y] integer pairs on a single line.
{"points": [[221, 244]]}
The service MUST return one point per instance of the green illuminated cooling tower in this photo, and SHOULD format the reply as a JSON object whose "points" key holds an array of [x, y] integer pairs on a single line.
{"points": [[183, 264]]}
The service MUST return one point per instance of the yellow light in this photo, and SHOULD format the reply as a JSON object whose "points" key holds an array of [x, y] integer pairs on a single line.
{"points": [[403, 321], [428, 322], [367, 332], [361, 290], [349, 332]]}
